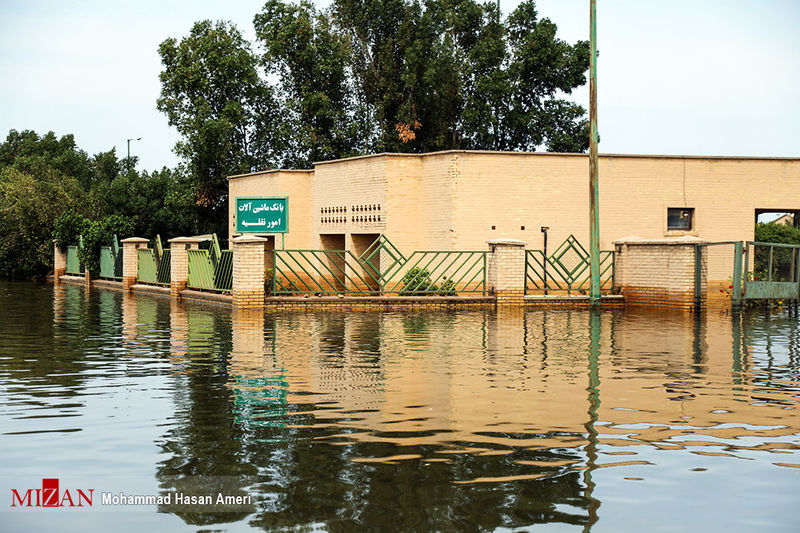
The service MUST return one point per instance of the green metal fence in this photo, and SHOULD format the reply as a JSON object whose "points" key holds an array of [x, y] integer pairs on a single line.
{"points": [[154, 264], [776, 271], [380, 269], [566, 270], [164, 267], [73, 263], [148, 269], [211, 269], [111, 260]]}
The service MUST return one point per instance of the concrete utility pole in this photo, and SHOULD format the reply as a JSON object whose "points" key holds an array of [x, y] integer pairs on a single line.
{"points": [[594, 191]]}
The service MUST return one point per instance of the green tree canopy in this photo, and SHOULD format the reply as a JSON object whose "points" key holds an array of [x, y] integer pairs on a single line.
{"points": [[214, 95]]}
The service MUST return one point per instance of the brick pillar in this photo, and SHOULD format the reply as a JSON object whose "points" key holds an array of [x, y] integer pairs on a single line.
{"points": [[660, 272], [87, 278], [506, 276], [249, 254], [59, 262], [179, 263], [130, 260]]}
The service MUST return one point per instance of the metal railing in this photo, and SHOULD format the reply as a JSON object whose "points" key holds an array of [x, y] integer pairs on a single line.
{"points": [[776, 271], [111, 260], [154, 264], [566, 270], [73, 263], [381, 269], [211, 269]]}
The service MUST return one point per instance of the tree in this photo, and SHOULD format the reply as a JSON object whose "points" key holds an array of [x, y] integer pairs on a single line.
{"points": [[446, 74], [310, 58], [29, 207], [213, 94]]}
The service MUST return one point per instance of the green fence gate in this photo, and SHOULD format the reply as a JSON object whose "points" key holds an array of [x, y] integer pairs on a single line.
{"points": [[776, 271], [566, 270]]}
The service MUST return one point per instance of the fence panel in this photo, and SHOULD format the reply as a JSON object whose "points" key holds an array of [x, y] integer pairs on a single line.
{"points": [[201, 272], [106, 262], [566, 270], [148, 270], [321, 271], [440, 273], [164, 271], [73, 264], [340, 271]]}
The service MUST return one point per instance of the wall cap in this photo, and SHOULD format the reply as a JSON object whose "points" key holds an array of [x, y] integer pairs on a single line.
{"points": [[244, 239], [506, 242], [134, 240], [187, 239], [666, 241]]}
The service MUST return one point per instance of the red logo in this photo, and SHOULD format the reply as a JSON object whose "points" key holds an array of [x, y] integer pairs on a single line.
{"points": [[50, 496]]}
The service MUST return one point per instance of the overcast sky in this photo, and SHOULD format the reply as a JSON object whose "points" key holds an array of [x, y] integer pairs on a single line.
{"points": [[701, 77]]}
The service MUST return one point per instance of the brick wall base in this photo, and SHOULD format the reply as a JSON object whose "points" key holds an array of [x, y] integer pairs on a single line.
{"points": [[175, 289], [510, 297], [128, 282], [248, 299], [659, 297], [57, 273]]}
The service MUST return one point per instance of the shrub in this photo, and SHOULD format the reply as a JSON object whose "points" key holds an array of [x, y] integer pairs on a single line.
{"points": [[100, 233], [68, 228]]}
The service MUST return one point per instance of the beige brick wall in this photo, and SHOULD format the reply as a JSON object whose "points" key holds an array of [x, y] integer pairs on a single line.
{"points": [[650, 273], [451, 200], [296, 184]]}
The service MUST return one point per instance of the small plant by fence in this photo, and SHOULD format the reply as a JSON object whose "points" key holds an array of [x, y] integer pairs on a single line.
{"points": [[566, 270]]}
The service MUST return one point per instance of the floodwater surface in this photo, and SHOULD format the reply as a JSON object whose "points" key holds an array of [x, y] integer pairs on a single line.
{"points": [[619, 420]]}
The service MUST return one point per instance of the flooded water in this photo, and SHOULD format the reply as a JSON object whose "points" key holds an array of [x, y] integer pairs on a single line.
{"points": [[432, 421]]}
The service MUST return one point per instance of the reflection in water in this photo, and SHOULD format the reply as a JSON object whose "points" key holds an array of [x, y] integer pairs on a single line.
{"points": [[423, 421]]}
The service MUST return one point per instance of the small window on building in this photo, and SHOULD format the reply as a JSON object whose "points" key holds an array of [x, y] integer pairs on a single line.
{"points": [[680, 218]]}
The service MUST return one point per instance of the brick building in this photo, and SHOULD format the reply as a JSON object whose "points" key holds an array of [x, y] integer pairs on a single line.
{"points": [[459, 200]]}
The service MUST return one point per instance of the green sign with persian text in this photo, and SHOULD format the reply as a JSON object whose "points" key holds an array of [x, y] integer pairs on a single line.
{"points": [[262, 214]]}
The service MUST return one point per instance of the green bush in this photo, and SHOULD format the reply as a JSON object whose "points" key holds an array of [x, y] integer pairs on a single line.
{"points": [[417, 282], [781, 257], [68, 228], [100, 233]]}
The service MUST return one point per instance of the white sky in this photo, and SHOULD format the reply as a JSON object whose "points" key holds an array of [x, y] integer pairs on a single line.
{"points": [[702, 77]]}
